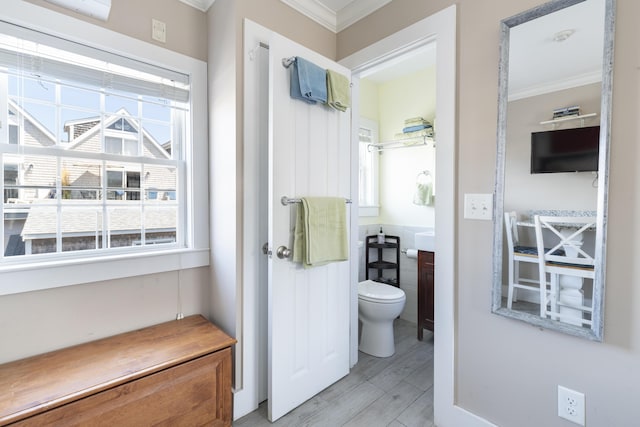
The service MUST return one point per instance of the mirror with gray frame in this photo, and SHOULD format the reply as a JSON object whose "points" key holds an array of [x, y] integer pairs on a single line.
{"points": [[550, 212]]}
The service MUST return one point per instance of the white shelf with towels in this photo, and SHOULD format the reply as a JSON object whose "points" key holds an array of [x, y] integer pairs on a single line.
{"points": [[408, 142]]}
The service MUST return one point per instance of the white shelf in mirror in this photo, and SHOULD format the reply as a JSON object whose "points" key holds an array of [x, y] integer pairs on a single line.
{"points": [[412, 139], [569, 118]]}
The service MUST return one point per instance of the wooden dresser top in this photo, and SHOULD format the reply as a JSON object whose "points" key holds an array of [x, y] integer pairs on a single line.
{"points": [[39, 383]]}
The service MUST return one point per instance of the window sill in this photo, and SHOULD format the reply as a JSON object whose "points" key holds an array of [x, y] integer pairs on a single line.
{"points": [[54, 274]]}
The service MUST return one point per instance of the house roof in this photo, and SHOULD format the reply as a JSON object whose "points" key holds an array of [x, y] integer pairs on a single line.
{"points": [[18, 109], [77, 221]]}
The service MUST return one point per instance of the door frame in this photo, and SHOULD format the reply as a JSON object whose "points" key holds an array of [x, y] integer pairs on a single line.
{"points": [[439, 28]]}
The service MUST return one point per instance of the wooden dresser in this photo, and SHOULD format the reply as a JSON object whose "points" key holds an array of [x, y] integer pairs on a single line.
{"points": [[426, 264], [176, 374]]}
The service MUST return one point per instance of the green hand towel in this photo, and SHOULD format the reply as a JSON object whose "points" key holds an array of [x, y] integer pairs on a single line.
{"points": [[320, 236], [338, 91]]}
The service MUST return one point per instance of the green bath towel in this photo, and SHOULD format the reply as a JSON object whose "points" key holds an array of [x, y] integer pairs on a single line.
{"points": [[338, 91], [320, 236]]}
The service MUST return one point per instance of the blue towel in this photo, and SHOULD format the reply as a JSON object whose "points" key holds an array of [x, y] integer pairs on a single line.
{"points": [[416, 128], [308, 82]]}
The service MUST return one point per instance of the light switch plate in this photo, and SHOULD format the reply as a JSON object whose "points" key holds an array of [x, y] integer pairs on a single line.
{"points": [[158, 30], [478, 206]]}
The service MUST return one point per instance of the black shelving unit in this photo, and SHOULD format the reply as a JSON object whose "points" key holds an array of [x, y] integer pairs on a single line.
{"points": [[380, 263]]}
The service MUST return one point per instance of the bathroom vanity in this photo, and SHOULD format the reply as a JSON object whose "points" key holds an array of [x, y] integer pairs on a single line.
{"points": [[426, 266]]}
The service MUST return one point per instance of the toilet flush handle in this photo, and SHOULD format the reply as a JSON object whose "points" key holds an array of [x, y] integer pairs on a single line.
{"points": [[283, 252]]}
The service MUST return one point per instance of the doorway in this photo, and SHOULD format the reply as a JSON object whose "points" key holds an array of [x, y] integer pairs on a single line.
{"points": [[397, 164], [441, 29]]}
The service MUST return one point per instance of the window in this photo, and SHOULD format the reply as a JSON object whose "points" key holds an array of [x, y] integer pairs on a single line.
{"points": [[13, 134], [176, 118], [84, 127], [10, 182], [368, 168]]}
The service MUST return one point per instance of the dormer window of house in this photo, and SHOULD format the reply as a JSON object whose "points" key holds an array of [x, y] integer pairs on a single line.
{"points": [[125, 146]]}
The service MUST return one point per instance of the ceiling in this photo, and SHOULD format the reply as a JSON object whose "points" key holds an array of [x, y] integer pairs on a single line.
{"points": [[541, 60], [335, 15]]}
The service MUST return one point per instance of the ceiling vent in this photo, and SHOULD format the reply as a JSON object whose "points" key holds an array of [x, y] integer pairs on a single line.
{"points": [[98, 9]]}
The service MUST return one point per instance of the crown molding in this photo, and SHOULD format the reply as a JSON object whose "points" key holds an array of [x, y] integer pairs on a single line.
{"points": [[555, 86], [316, 11], [356, 10], [202, 5], [336, 21]]}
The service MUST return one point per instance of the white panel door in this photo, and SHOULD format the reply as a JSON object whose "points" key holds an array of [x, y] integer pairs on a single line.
{"points": [[308, 308]]}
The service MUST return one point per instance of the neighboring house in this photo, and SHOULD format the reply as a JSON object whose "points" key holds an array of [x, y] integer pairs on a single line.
{"points": [[32, 184]]}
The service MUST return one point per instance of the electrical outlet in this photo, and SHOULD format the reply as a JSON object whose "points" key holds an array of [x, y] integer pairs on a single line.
{"points": [[571, 405], [478, 206]]}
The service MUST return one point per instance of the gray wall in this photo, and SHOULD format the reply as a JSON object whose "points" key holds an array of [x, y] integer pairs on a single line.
{"points": [[506, 371]]}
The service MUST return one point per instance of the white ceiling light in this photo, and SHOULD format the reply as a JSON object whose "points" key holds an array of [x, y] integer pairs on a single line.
{"points": [[98, 9], [561, 36]]}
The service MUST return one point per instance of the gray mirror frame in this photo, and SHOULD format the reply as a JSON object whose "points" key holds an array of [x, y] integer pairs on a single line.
{"points": [[597, 328]]}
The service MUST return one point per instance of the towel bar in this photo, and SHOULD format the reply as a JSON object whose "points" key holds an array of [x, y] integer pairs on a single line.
{"points": [[286, 62], [288, 201]]}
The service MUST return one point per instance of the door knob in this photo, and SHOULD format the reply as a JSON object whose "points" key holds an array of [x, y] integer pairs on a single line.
{"points": [[283, 252]]}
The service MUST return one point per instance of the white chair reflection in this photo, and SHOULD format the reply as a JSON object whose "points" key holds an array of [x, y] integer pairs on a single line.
{"points": [[518, 253], [568, 265]]}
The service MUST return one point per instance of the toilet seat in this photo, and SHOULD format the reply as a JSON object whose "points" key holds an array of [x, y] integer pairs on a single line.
{"points": [[380, 293]]}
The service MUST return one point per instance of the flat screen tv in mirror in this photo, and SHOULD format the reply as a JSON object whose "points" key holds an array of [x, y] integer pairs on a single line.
{"points": [[565, 150]]}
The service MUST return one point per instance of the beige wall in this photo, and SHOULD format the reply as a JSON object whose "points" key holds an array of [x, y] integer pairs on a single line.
{"points": [[41, 321], [506, 371], [186, 26]]}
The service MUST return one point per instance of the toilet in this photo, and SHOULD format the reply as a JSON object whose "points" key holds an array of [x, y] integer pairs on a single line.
{"points": [[378, 305]]}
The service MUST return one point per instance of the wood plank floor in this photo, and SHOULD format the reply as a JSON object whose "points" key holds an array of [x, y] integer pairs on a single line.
{"points": [[395, 391]]}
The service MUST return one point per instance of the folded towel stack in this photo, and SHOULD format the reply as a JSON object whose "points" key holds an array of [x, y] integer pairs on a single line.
{"points": [[320, 235], [428, 132], [415, 124], [308, 82]]}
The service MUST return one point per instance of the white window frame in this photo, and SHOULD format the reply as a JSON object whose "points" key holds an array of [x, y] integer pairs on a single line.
{"points": [[76, 269], [371, 209]]}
